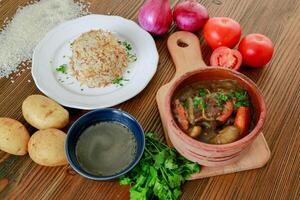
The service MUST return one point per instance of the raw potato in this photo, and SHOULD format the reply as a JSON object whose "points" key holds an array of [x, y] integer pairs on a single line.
{"points": [[13, 137], [46, 147], [43, 113]]}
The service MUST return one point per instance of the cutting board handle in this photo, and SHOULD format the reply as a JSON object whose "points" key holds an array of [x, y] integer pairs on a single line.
{"points": [[185, 50]]}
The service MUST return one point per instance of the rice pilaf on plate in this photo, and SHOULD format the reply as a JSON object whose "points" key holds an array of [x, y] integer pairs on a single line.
{"points": [[98, 58]]}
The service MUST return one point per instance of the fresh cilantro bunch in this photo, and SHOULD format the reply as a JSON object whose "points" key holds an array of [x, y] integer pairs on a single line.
{"points": [[160, 172]]}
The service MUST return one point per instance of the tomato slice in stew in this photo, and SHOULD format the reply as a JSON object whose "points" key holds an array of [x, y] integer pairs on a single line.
{"points": [[226, 57]]}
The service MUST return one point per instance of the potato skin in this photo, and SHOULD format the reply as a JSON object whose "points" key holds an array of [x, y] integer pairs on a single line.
{"points": [[46, 147], [43, 113], [13, 136]]}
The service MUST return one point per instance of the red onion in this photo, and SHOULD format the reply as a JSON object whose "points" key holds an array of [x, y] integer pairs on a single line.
{"points": [[190, 15], [155, 16]]}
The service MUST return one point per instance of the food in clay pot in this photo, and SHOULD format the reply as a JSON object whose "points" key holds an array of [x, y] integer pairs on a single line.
{"points": [[213, 112]]}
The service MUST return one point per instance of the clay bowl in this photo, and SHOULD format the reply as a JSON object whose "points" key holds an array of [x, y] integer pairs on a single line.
{"points": [[185, 50]]}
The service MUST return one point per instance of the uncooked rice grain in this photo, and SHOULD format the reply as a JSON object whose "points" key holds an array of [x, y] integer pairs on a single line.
{"points": [[30, 24]]}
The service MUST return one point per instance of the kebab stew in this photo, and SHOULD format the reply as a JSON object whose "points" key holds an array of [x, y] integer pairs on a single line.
{"points": [[213, 111]]}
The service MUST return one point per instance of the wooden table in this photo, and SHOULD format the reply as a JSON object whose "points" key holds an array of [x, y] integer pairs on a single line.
{"points": [[21, 178]]}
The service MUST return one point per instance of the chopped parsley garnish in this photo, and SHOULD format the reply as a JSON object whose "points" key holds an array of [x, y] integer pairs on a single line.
{"points": [[241, 103], [185, 104], [202, 92], [62, 69], [199, 102], [119, 81], [132, 57], [241, 99], [221, 98], [241, 95], [128, 47]]}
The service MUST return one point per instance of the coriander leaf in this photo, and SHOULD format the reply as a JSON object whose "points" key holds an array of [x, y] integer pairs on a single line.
{"points": [[132, 57], [175, 180], [161, 190], [158, 188], [176, 193], [169, 164], [125, 181], [185, 104], [159, 159], [153, 177], [138, 195], [127, 45], [191, 168], [241, 95], [62, 69], [140, 181], [241, 103], [202, 92], [119, 81], [241, 99], [221, 98], [199, 103], [145, 169]]}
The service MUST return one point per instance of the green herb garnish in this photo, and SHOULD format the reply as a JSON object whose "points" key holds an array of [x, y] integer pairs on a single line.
{"points": [[185, 104], [159, 173], [199, 102], [221, 98], [202, 92], [128, 47], [241, 103], [242, 99], [241, 95], [119, 81], [132, 57], [62, 69]]}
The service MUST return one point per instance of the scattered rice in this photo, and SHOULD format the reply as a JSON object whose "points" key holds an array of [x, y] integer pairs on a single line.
{"points": [[29, 25], [97, 58]]}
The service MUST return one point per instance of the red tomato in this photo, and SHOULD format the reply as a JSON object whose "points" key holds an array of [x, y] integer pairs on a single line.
{"points": [[222, 31], [225, 57], [227, 111], [256, 49]]}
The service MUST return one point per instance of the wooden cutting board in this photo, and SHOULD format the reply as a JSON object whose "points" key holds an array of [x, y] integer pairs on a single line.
{"points": [[257, 156], [258, 153]]}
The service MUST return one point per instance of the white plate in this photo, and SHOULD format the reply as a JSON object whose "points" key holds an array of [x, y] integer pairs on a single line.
{"points": [[54, 50]]}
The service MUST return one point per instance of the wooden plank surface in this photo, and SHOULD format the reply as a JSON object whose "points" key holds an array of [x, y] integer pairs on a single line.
{"points": [[20, 178]]}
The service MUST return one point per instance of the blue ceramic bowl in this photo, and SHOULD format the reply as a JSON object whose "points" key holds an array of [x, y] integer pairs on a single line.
{"points": [[103, 115]]}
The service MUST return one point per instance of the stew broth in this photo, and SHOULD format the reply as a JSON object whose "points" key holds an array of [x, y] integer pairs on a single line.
{"points": [[215, 112]]}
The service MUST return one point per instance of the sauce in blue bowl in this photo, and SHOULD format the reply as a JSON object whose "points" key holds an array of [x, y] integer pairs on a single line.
{"points": [[104, 144]]}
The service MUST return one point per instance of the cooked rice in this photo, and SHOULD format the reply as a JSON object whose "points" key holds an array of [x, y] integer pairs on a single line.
{"points": [[98, 58]]}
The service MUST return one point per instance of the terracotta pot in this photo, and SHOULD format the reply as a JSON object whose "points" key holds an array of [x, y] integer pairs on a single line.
{"points": [[190, 68]]}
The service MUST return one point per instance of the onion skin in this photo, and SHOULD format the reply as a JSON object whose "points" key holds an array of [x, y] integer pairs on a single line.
{"points": [[190, 15], [155, 16]]}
